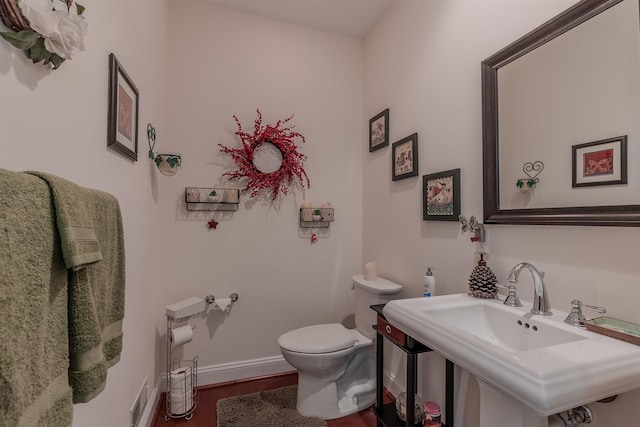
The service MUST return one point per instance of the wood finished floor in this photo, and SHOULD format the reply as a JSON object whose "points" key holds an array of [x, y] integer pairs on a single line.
{"points": [[207, 397]]}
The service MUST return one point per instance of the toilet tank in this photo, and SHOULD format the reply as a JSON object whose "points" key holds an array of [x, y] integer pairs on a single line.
{"points": [[371, 292]]}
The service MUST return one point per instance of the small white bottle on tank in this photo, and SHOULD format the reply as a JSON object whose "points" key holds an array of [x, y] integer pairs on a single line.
{"points": [[429, 283]]}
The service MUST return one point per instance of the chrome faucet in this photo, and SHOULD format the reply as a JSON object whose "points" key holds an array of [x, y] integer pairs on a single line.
{"points": [[541, 304]]}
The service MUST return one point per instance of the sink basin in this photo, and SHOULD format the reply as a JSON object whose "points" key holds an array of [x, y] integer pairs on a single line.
{"points": [[539, 361], [497, 324]]}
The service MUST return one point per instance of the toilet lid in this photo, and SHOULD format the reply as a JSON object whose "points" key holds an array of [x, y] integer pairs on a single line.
{"points": [[317, 339]]}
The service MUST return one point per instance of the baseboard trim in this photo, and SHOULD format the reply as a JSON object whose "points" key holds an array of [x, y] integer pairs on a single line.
{"points": [[226, 372], [394, 385]]}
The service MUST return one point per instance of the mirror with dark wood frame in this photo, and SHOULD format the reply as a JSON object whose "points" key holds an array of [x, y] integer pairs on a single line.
{"points": [[497, 212]]}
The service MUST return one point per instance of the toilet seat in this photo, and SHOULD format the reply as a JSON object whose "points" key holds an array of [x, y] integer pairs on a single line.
{"points": [[317, 339]]}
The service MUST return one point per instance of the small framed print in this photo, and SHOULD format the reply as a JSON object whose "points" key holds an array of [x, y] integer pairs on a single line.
{"points": [[404, 158], [441, 196], [122, 132], [379, 131], [601, 162]]}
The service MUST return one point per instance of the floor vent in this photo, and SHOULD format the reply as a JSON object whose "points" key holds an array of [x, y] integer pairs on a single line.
{"points": [[139, 404]]}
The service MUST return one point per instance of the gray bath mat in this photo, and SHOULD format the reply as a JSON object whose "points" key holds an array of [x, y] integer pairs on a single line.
{"points": [[273, 408]]}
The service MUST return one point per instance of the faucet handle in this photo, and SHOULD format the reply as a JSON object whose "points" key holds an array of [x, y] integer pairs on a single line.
{"points": [[579, 303], [512, 299], [576, 318]]}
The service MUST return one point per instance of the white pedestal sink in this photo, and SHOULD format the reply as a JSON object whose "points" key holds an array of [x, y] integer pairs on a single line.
{"points": [[528, 366], [498, 409]]}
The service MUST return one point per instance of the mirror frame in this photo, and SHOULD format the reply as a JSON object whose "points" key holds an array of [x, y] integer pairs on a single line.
{"points": [[619, 215]]}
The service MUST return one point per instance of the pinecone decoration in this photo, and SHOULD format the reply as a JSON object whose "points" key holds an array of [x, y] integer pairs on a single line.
{"points": [[482, 282]]}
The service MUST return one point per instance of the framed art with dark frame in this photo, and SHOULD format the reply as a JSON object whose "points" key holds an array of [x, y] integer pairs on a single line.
{"points": [[124, 101], [441, 196], [379, 131], [404, 158], [601, 162]]}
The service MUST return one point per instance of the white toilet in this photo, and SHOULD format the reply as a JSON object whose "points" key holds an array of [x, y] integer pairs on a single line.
{"points": [[336, 365]]}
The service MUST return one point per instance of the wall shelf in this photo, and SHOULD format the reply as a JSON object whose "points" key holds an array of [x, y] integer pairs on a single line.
{"points": [[201, 199], [322, 220]]}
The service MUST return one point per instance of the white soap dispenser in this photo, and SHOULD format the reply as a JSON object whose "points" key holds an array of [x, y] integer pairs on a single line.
{"points": [[429, 283]]}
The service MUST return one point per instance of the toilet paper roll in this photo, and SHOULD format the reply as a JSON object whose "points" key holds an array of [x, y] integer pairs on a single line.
{"points": [[371, 270], [181, 403], [181, 335], [223, 303], [181, 383]]}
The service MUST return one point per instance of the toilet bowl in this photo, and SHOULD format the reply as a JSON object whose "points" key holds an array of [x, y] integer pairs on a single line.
{"points": [[336, 365]]}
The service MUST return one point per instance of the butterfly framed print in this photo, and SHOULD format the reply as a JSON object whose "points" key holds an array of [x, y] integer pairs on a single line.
{"points": [[441, 196], [601, 162]]}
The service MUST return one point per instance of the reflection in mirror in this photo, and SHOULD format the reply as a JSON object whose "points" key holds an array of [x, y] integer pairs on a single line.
{"points": [[577, 88], [267, 157], [572, 81]]}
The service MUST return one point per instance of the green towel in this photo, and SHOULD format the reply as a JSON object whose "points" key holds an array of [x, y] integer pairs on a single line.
{"points": [[90, 227], [34, 355], [74, 216]]}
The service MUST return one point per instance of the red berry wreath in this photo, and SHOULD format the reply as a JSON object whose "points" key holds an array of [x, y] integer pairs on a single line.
{"points": [[281, 136]]}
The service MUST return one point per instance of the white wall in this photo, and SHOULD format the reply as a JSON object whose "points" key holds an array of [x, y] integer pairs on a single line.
{"points": [[57, 122], [422, 61], [224, 63], [196, 66]]}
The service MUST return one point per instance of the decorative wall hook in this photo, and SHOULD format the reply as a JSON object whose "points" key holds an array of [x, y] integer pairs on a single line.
{"points": [[532, 170], [464, 223], [474, 226], [477, 229], [167, 163], [151, 138]]}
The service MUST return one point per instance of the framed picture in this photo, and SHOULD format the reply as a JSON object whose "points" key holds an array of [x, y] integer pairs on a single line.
{"points": [[404, 158], [601, 162], [122, 133], [379, 131], [441, 196]]}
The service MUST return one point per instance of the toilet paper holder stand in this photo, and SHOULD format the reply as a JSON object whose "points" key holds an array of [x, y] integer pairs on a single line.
{"points": [[180, 397]]}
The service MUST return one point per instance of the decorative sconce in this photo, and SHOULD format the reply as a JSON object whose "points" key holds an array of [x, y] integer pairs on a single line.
{"points": [[167, 163], [528, 184], [474, 226]]}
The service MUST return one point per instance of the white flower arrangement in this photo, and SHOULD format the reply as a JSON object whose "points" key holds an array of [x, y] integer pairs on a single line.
{"points": [[57, 30]]}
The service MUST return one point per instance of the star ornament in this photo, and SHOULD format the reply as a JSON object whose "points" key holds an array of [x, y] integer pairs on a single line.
{"points": [[212, 224]]}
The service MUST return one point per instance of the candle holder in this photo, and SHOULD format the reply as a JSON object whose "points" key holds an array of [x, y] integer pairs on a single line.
{"points": [[167, 163], [528, 184]]}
